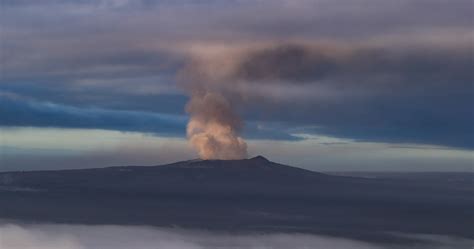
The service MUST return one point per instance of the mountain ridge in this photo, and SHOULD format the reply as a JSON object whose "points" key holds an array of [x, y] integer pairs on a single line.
{"points": [[184, 176], [232, 195], [197, 163]]}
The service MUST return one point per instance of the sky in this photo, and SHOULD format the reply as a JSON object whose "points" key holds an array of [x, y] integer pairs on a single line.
{"points": [[348, 85]]}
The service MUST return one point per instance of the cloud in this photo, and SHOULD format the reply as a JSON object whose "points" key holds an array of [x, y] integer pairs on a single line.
{"points": [[125, 237], [54, 236], [51, 148], [21, 112], [25, 112], [394, 72]]}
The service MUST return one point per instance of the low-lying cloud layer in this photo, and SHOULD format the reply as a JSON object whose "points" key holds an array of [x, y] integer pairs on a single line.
{"points": [[123, 237], [53, 236]]}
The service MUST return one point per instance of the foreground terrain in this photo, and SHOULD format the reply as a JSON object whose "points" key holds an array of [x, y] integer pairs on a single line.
{"points": [[246, 196]]}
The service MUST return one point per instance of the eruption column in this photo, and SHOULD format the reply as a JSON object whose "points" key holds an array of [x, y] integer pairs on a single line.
{"points": [[214, 126]]}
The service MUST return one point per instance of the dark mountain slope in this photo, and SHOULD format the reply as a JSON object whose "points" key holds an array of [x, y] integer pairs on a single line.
{"points": [[239, 195], [204, 177]]}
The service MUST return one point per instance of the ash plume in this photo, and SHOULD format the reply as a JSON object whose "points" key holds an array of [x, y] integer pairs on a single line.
{"points": [[214, 125], [286, 81], [221, 79], [213, 128]]}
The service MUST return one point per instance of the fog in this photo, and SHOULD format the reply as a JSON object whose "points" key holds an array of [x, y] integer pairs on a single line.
{"points": [[127, 237], [53, 236]]}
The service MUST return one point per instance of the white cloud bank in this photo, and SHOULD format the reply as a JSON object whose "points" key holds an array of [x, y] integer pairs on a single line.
{"points": [[54, 236], [128, 237]]}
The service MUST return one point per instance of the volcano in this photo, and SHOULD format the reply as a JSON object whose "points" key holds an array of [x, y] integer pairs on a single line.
{"points": [[202, 177], [250, 195]]}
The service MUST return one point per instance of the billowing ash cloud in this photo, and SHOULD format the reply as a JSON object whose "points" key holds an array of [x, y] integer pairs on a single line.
{"points": [[396, 91], [214, 125]]}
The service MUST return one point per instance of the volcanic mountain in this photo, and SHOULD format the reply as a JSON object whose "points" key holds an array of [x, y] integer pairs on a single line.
{"points": [[250, 195], [203, 177]]}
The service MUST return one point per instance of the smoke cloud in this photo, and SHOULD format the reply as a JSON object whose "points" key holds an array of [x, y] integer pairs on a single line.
{"points": [[370, 91], [214, 126]]}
